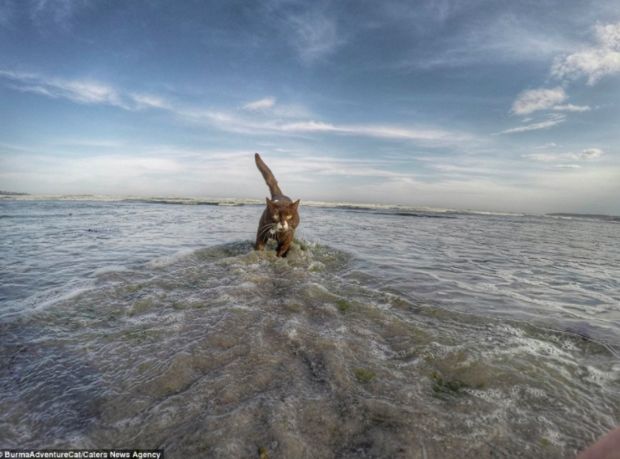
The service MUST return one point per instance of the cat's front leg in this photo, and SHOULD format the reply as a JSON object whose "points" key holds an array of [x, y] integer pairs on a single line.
{"points": [[260, 243], [284, 245]]}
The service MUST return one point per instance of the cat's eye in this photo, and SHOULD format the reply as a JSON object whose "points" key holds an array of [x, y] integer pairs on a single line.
{"points": [[288, 217], [275, 216]]}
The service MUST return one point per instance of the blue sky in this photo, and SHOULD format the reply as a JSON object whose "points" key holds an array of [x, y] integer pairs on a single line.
{"points": [[481, 104]]}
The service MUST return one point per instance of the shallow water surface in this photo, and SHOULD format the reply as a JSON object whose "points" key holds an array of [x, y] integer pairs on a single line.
{"points": [[383, 334]]}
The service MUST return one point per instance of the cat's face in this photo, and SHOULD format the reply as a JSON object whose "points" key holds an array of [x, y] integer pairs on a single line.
{"points": [[283, 216]]}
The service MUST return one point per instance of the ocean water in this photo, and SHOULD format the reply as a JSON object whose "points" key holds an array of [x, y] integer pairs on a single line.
{"points": [[387, 332]]}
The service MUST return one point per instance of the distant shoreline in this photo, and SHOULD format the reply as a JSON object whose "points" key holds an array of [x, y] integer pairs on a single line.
{"points": [[12, 193], [614, 218], [234, 202], [216, 201]]}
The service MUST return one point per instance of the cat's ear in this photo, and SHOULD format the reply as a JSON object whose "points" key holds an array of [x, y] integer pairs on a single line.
{"points": [[295, 205], [269, 202]]}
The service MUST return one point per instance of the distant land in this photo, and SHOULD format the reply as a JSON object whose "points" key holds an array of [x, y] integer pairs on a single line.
{"points": [[7, 195], [611, 218], [12, 193]]}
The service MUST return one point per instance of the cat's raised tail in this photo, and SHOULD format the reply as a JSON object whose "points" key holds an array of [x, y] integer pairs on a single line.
{"points": [[271, 181]]}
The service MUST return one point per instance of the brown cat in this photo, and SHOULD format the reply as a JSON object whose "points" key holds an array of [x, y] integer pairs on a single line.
{"points": [[280, 217]]}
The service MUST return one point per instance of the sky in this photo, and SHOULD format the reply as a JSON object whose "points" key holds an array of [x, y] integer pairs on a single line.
{"points": [[463, 104]]}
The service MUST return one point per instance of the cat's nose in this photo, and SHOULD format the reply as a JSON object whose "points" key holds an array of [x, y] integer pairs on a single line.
{"points": [[279, 226]]}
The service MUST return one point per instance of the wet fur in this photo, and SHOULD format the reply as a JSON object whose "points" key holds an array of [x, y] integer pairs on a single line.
{"points": [[280, 217]]}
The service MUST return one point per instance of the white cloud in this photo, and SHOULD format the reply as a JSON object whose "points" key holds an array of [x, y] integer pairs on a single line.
{"points": [[314, 35], [394, 132], [553, 120], [587, 154], [377, 131], [233, 122], [76, 90], [261, 104], [264, 117], [571, 108], [503, 38], [544, 157], [268, 106], [544, 190], [80, 91], [591, 153], [88, 92], [309, 126], [533, 100], [546, 145], [163, 170], [149, 101], [61, 12], [169, 170], [593, 62], [291, 111], [609, 35]]}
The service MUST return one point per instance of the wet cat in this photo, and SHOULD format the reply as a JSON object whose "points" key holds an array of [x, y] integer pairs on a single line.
{"points": [[280, 217]]}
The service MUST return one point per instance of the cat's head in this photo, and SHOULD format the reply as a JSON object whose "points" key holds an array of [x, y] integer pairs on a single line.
{"points": [[283, 214]]}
